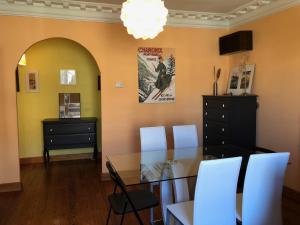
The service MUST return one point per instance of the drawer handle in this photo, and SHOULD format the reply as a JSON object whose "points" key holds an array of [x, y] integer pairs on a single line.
{"points": [[206, 137], [223, 142], [51, 141], [51, 130], [223, 106], [206, 103], [206, 125], [223, 129], [223, 116], [89, 138], [206, 113], [89, 128]]}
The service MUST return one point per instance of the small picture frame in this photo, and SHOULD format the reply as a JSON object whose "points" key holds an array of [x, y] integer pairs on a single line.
{"points": [[69, 105], [240, 81], [32, 81], [68, 77]]}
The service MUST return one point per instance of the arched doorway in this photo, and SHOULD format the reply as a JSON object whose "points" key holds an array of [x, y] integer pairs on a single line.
{"points": [[39, 84]]}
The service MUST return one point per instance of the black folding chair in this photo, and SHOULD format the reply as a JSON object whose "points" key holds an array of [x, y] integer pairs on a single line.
{"points": [[128, 201]]}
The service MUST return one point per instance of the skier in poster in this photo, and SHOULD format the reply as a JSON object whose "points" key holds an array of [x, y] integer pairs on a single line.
{"points": [[163, 80]]}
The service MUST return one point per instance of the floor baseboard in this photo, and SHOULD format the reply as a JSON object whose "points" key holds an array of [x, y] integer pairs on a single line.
{"points": [[10, 187], [40, 159]]}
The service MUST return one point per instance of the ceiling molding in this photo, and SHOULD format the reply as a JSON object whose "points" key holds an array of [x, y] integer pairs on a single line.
{"points": [[264, 10], [110, 13]]}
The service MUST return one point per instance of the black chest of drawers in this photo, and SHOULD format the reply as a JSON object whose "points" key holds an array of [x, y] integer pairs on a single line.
{"points": [[229, 121], [69, 133]]}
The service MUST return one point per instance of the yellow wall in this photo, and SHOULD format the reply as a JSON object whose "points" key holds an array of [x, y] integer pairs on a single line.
{"points": [[277, 83], [48, 57]]}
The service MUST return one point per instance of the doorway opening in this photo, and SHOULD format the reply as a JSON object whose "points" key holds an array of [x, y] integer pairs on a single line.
{"points": [[46, 70]]}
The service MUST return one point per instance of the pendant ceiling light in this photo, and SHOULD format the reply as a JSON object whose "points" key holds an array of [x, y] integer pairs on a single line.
{"points": [[144, 18]]}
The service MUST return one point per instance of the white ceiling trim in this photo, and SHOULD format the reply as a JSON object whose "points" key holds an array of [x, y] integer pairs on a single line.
{"points": [[268, 9], [110, 13]]}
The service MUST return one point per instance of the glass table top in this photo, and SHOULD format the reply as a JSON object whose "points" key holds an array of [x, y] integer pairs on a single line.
{"points": [[154, 166]]}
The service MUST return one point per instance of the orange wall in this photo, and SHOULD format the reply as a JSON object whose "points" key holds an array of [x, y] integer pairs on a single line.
{"points": [[115, 52], [277, 82]]}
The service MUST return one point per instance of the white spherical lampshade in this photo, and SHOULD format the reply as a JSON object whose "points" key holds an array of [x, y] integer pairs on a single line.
{"points": [[144, 18]]}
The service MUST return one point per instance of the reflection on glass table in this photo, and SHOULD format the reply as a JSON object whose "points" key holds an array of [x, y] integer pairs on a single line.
{"points": [[148, 167]]}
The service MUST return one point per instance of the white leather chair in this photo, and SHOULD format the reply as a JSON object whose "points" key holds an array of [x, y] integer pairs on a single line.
{"points": [[260, 203], [185, 136], [154, 139], [215, 195]]}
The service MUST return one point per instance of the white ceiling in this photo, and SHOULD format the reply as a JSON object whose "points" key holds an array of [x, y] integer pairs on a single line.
{"points": [[183, 13], [215, 6]]}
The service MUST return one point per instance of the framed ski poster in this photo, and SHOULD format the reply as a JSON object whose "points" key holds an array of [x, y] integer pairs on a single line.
{"points": [[156, 74]]}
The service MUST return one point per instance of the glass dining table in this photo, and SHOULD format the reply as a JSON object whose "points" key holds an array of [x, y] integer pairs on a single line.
{"points": [[156, 166]]}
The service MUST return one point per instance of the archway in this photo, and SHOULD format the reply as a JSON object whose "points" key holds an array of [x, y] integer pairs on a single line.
{"points": [[39, 82]]}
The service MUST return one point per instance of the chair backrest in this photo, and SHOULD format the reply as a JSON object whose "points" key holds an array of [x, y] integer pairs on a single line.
{"points": [[181, 187], [115, 176], [185, 136], [215, 194], [263, 189], [153, 138], [119, 183]]}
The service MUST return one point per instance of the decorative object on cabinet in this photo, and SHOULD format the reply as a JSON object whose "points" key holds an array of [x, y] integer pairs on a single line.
{"points": [[68, 77], [229, 120], [32, 81], [69, 134], [216, 78], [240, 80], [69, 105]]}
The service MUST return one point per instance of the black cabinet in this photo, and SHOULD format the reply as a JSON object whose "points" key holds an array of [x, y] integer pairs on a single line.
{"points": [[69, 133], [229, 121]]}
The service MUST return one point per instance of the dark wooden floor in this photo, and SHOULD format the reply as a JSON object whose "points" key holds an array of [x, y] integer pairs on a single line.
{"points": [[71, 193]]}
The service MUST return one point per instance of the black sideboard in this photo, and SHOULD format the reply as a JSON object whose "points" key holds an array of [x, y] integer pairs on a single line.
{"points": [[229, 120], [69, 133], [229, 127]]}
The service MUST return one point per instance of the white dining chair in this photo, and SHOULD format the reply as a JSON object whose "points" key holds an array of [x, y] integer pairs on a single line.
{"points": [[185, 136], [260, 203], [154, 139], [215, 195]]}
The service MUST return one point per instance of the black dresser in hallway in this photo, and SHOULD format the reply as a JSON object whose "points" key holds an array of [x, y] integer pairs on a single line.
{"points": [[70, 133]]}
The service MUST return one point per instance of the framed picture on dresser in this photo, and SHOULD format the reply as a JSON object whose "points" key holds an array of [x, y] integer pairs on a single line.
{"points": [[241, 80]]}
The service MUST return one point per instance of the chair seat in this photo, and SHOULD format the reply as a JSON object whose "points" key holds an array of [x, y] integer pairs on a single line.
{"points": [[239, 204], [141, 199], [183, 211]]}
